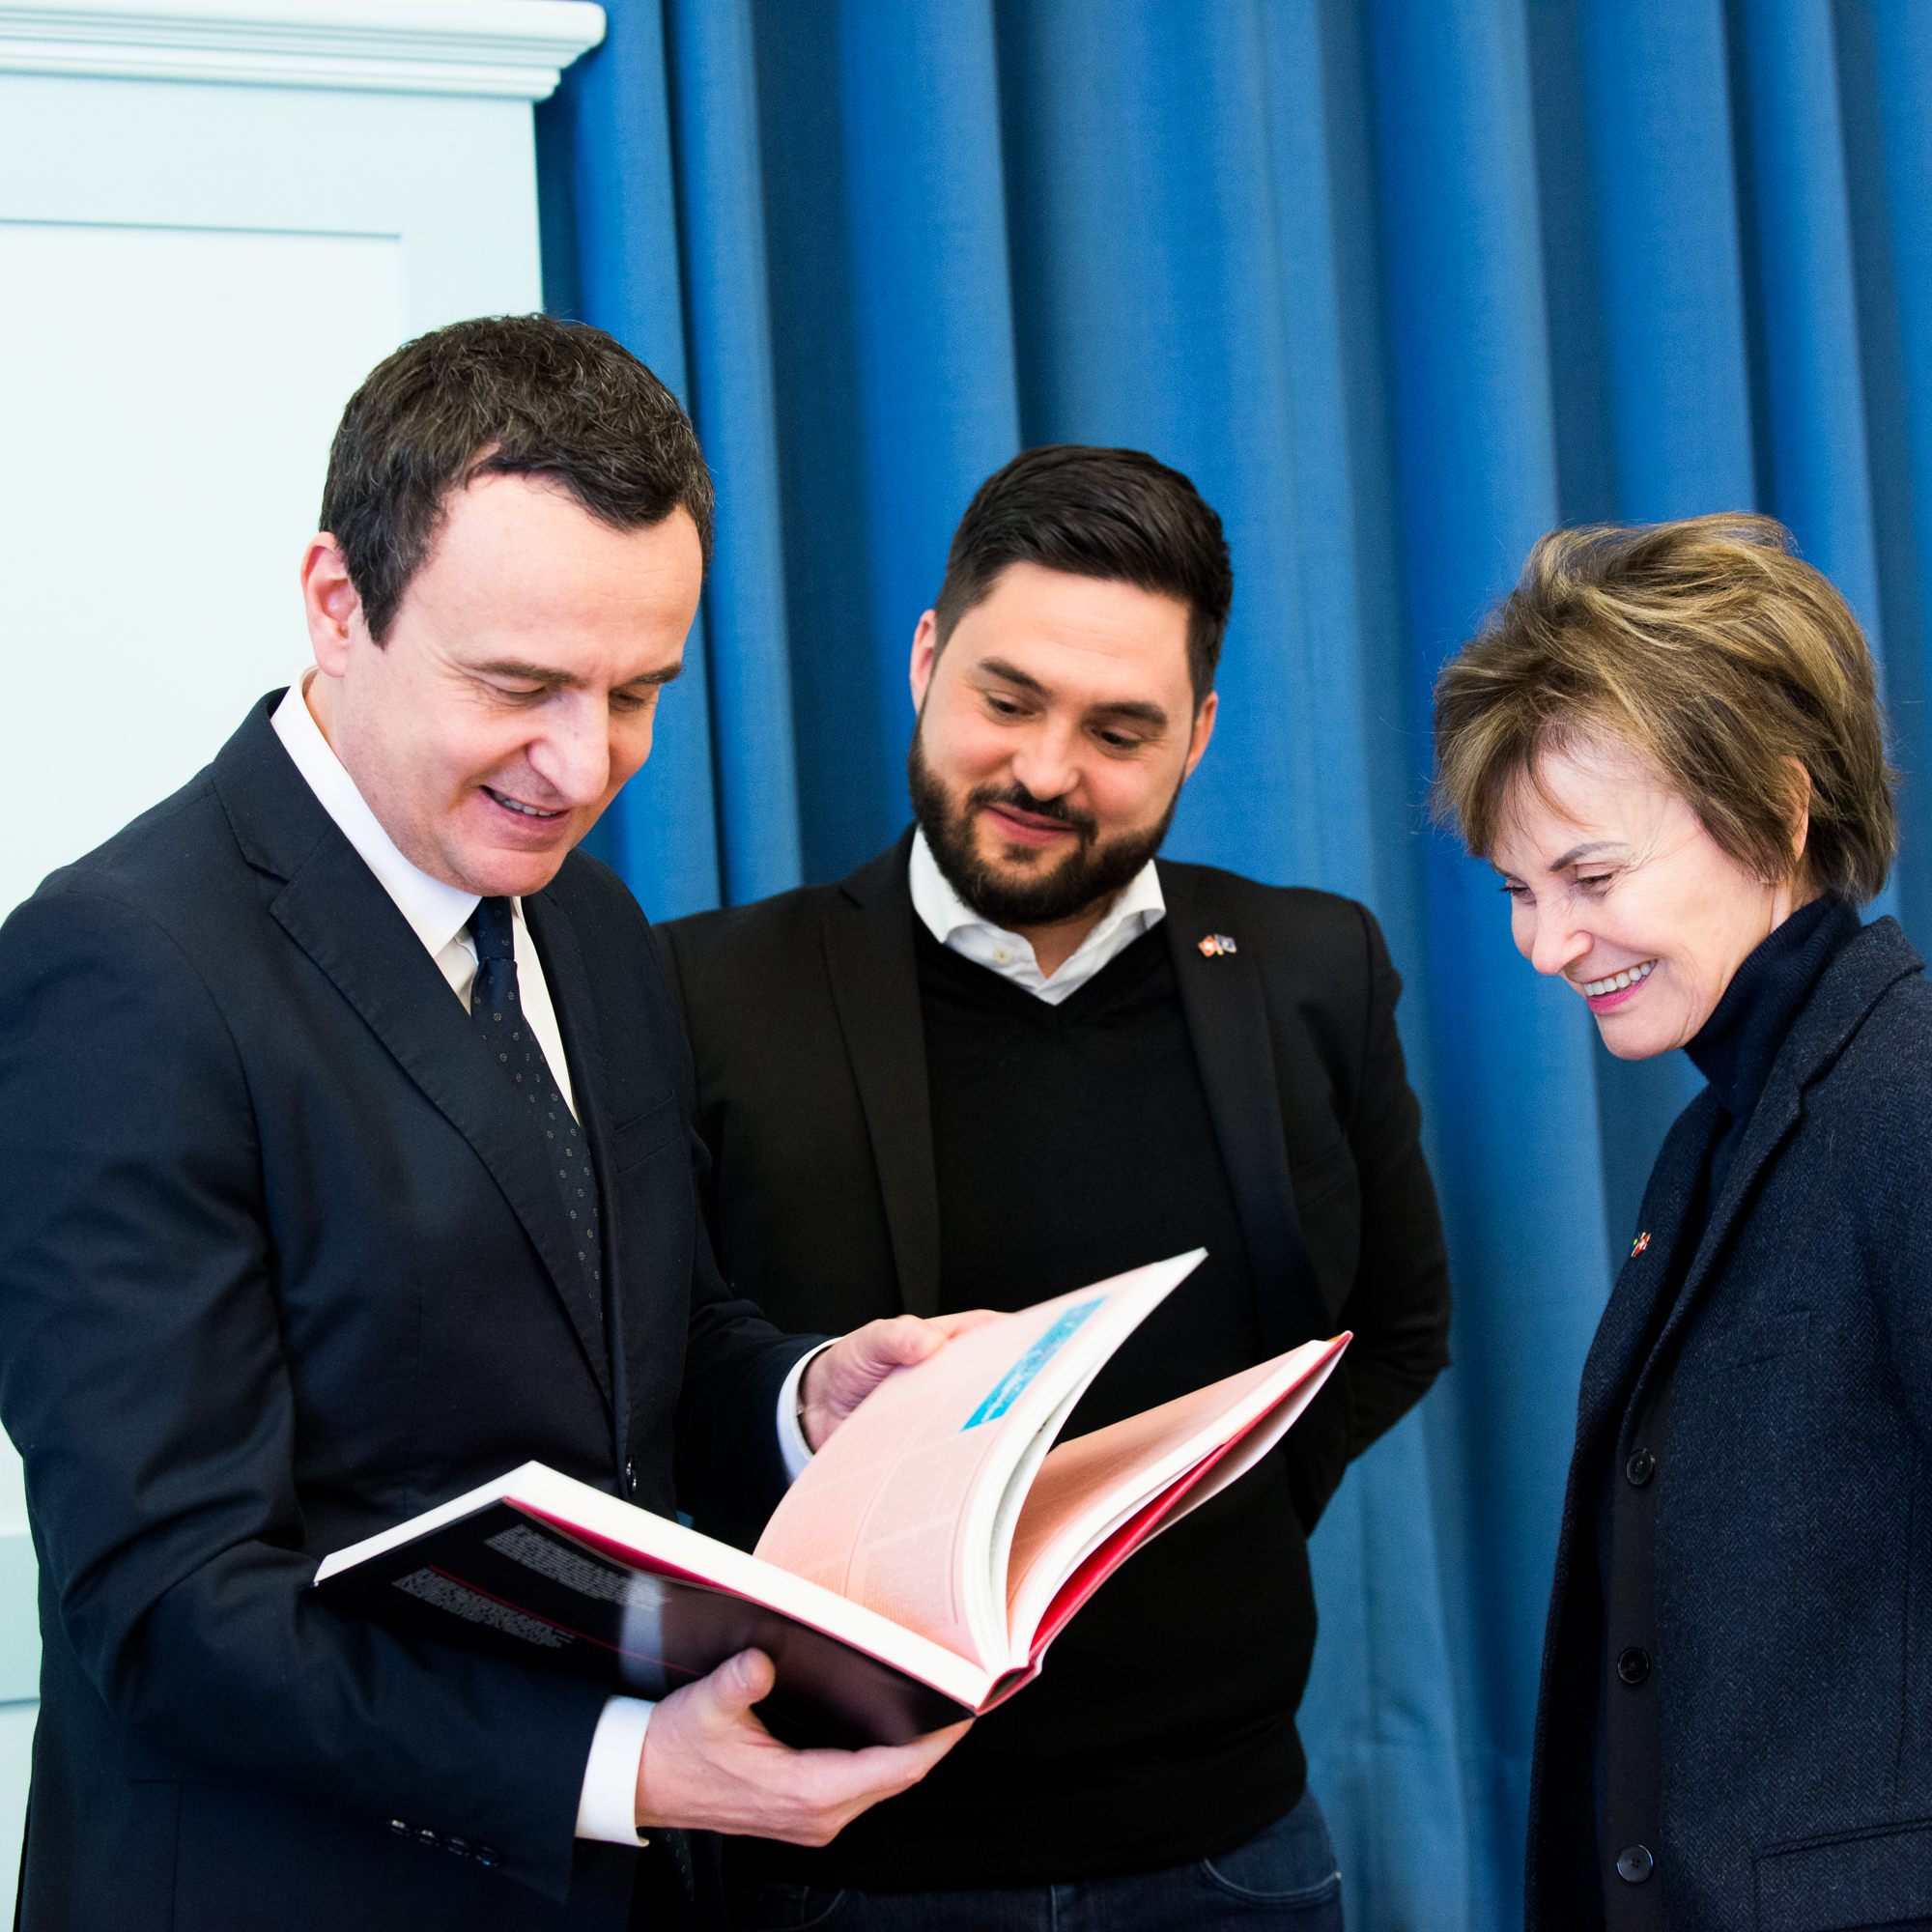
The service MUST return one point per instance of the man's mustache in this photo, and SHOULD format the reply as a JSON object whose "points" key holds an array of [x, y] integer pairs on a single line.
{"points": [[1021, 800]]}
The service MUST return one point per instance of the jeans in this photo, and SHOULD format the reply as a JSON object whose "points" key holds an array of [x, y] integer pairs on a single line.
{"points": [[1282, 1880]]}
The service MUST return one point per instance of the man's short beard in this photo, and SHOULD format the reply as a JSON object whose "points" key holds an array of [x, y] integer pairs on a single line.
{"points": [[1089, 874]]}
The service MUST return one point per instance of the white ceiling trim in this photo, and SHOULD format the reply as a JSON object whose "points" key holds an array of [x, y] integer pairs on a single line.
{"points": [[513, 50]]}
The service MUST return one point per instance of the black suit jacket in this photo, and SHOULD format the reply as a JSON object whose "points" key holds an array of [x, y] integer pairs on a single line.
{"points": [[804, 1016], [1793, 1659], [280, 1266]]}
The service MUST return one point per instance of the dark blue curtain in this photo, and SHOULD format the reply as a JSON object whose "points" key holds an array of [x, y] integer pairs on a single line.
{"points": [[1401, 284]]}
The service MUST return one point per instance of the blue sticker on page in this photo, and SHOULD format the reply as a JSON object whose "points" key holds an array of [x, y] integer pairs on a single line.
{"points": [[1010, 1385]]}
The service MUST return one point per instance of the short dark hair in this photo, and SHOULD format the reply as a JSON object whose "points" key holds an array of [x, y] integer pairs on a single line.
{"points": [[510, 395], [1114, 514]]}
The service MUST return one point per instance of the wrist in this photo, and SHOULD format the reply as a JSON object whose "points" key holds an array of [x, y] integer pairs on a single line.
{"points": [[810, 1393]]}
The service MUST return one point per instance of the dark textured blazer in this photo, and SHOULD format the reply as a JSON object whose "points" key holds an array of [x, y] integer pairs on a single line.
{"points": [[804, 1016], [280, 1266], [1794, 1512]]}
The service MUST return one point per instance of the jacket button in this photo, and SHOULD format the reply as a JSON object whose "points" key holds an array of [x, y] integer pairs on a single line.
{"points": [[1640, 1467], [1634, 1664], [1634, 1864], [630, 1479]]}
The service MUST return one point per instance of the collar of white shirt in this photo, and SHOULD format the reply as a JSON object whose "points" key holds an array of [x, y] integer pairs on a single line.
{"points": [[438, 914], [954, 924]]}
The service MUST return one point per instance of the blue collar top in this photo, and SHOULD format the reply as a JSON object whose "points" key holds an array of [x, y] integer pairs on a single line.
{"points": [[1736, 1046]]}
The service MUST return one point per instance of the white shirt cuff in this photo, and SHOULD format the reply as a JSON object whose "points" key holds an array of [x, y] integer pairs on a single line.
{"points": [[607, 1809], [792, 1445]]}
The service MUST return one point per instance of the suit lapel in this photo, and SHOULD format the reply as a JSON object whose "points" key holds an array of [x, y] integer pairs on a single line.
{"points": [[1616, 1352], [874, 975], [1852, 985], [570, 999], [333, 907], [339, 915], [1227, 1020], [570, 996]]}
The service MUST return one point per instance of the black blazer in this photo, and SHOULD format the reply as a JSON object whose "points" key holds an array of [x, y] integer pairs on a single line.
{"points": [[1794, 1517], [803, 1016], [279, 1267]]}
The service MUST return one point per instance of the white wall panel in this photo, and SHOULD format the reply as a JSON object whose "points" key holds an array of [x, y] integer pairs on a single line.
{"points": [[454, 179], [193, 277], [164, 471]]}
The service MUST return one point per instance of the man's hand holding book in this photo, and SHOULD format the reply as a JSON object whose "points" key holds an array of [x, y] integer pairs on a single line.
{"points": [[708, 1763]]}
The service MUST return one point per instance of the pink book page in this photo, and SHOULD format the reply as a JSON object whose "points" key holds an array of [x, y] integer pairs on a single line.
{"points": [[653, 1544], [1114, 1550], [905, 1495], [1089, 1488]]}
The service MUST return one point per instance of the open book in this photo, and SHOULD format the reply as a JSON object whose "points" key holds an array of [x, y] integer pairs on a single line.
{"points": [[914, 1575]]}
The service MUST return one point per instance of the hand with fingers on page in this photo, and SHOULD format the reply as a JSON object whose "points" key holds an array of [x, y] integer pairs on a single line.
{"points": [[840, 1377]]}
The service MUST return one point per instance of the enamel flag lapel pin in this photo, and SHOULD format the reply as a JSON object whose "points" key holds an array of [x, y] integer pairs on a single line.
{"points": [[1215, 943], [1639, 1245]]}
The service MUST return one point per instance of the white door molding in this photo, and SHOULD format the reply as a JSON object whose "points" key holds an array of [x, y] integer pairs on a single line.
{"points": [[510, 50]]}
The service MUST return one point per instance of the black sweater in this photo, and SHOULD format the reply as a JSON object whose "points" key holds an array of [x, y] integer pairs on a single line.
{"points": [[1071, 1143]]}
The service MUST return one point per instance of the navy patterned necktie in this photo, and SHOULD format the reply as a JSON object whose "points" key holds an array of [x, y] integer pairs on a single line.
{"points": [[496, 1007]]}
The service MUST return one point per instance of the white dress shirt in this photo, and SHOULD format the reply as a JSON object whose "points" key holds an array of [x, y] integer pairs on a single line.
{"points": [[438, 915], [1139, 908]]}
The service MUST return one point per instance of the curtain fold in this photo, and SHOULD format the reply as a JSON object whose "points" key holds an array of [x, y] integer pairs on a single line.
{"points": [[607, 175], [1401, 287], [714, 102]]}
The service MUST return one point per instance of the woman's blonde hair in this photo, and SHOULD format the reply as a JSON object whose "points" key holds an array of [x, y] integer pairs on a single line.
{"points": [[1712, 652]]}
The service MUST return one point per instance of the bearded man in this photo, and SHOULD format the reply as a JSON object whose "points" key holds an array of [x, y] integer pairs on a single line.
{"points": [[1016, 1053]]}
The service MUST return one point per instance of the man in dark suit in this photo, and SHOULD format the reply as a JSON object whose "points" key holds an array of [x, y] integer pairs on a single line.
{"points": [[344, 1114], [1014, 1054]]}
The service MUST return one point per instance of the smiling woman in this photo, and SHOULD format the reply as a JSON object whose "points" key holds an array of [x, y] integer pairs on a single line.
{"points": [[1667, 742]]}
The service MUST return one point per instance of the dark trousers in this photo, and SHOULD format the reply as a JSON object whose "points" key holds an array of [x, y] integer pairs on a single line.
{"points": [[1282, 1880]]}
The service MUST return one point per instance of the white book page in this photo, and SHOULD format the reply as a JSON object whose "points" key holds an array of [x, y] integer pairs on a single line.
{"points": [[1019, 1486]]}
